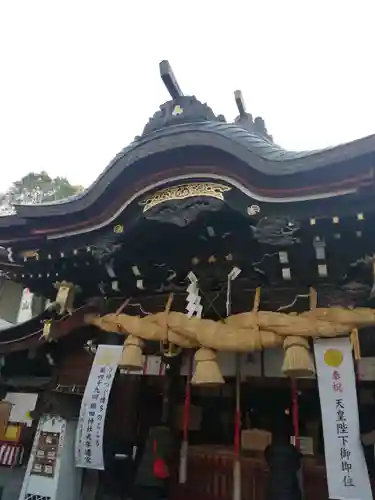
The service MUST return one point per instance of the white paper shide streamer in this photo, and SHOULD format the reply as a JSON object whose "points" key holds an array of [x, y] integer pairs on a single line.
{"points": [[193, 306]]}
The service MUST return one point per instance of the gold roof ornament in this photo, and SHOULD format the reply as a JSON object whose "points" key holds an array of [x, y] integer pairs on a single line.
{"points": [[46, 334], [65, 297], [183, 191], [177, 110], [30, 254]]}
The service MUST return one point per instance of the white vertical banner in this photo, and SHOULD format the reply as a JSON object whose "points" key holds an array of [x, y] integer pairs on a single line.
{"points": [[345, 462], [90, 430], [25, 311]]}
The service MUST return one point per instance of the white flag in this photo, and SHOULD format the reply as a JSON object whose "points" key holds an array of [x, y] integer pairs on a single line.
{"points": [[90, 430], [345, 462]]}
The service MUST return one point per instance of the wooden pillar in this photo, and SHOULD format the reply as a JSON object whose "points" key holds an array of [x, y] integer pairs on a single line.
{"points": [[123, 413]]}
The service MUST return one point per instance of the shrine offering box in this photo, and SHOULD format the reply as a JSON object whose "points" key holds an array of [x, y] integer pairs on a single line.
{"points": [[306, 445], [313, 431], [255, 439], [195, 417]]}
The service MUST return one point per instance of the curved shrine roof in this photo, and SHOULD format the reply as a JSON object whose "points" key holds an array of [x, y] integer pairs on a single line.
{"points": [[185, 139], [258, 153], [185, 124]]}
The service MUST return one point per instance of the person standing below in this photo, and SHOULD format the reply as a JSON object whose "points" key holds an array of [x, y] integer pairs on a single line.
{"points": [[152, 476], [284, 462]]}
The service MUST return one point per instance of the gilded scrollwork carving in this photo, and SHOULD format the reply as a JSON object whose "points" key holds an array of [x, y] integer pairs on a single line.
{"points": [[183, 191]]}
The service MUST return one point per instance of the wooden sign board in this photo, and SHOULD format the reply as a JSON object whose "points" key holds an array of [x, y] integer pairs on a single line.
{"points": [[46, 454]]}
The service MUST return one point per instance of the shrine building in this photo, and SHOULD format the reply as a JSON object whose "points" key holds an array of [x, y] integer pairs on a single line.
{"points": [[195, 282]]}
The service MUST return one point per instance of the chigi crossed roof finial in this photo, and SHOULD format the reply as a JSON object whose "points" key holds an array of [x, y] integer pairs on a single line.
{"points": [[245, 119], [240, 102], [169, 80], [188, 109], [181, 109]]}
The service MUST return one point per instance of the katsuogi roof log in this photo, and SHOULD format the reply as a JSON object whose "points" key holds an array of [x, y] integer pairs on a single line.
{"points": [[240, 333]]}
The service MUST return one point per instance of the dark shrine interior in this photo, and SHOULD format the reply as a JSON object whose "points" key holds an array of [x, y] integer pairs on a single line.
{"points": [[156, 254], [206, 236]]}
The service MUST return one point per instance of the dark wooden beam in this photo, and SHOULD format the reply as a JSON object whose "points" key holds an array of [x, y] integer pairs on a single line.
{"points": [[169, 80]]}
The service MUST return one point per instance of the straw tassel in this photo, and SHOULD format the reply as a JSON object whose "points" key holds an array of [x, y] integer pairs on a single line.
{"points": [[298, 361], [207, 370], [132, 355]]}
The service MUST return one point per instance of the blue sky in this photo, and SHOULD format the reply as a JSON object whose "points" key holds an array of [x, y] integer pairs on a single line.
{"points": [[79, 79]]}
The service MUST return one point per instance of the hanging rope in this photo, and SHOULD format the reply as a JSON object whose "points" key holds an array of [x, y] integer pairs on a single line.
{"points": [[237, 418], [182, 476], [295, 413], [186, 420], [165, 346]]}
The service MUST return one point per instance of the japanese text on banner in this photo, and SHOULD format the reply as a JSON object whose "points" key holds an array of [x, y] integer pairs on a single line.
{"points": [[342, 431], [346, 468], [89, 438]]}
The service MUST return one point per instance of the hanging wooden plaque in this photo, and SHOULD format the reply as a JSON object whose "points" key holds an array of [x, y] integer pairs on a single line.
{"points": [[46, 454]]}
